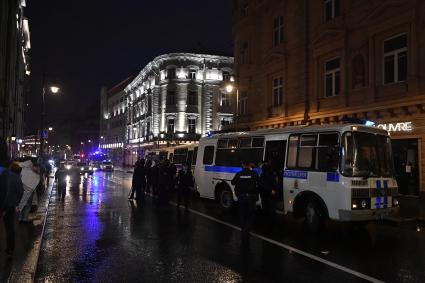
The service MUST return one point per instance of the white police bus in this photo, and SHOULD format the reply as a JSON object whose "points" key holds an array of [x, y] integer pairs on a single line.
{"points": [[342, 172]]}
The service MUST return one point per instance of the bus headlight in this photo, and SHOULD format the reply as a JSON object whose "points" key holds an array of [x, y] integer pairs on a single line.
{"points": [[364, 204], [354, 205], [395, 202]]}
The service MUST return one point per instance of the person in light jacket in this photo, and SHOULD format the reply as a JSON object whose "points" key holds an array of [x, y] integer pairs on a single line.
{"points": [[30, 179]]}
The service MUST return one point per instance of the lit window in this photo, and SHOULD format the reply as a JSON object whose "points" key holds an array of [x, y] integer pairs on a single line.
{"points": [[192, 74], [170, 126], [332, 77], [277, 91], [226, 76], [278, 31], [395, 59], [225, 99], [331, 9], [191, 123]]}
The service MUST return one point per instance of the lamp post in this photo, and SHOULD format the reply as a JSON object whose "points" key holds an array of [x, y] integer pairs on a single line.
{"points": [[54, 89], [229, 89]]}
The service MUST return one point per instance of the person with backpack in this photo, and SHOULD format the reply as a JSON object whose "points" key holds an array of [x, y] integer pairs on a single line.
{"points": [[9, 207]]}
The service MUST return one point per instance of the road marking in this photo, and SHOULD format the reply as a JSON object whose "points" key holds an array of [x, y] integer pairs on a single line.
{"points": [[289, 248]]}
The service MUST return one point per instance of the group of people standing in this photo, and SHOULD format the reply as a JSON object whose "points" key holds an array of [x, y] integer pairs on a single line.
{"points": [[160, 178], [18, 192]]}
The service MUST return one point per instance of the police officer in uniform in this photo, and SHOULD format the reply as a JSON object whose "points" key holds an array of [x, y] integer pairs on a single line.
{"points": [[246, 189]]}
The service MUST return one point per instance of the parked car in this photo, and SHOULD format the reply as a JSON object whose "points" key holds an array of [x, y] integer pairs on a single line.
{"points": [[84, 167], [106, 166]]}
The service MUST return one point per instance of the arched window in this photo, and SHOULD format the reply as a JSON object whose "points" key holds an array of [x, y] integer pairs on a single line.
{"points": [[358, 71]]}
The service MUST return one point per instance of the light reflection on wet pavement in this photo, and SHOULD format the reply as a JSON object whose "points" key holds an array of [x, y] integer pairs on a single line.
{"points": [[96, 235]]}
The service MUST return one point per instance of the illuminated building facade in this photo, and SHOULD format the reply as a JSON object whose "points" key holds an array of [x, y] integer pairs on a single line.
{"points": [[113, 121], [313, 62], [14, 70], [177, 98]]}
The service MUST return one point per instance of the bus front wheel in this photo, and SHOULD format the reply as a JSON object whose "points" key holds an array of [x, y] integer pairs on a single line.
{"points": [[225, 199], [314, 216]]}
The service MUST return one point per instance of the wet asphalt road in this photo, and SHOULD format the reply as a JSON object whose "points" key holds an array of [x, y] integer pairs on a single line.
{"points": [[96, 235]]}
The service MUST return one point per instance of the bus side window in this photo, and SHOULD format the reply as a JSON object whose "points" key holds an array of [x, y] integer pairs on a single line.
{"points": [[292, 152], [208, 155], [328, 152]]}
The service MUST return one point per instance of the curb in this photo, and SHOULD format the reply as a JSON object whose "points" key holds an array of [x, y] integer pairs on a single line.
{"points": [[42, 234], [28, 270]]}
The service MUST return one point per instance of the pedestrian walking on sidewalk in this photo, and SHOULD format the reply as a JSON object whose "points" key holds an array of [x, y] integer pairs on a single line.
{"points": [[11, 180], [246, 189], [184, 185], [30, 179], [60, 177]]}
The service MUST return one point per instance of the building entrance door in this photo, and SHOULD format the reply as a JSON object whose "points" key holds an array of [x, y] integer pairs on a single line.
{"points": [[406, 163]]}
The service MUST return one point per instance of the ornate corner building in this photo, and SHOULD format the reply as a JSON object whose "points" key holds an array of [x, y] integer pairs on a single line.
{"points": [[313, 62], [176, 99]]}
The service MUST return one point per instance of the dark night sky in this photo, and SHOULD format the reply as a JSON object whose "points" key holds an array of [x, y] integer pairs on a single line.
{"points": [[89, 44]]}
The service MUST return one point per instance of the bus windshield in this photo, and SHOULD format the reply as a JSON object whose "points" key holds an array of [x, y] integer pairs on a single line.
{"points": [[366, 155]]}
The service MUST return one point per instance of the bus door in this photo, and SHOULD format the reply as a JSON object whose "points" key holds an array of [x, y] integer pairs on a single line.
{"points": [[204, 176], [275, 154]]}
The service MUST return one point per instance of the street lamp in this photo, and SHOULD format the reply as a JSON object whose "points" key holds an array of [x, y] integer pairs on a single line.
{"points": [[54, 89], [229, 89]]}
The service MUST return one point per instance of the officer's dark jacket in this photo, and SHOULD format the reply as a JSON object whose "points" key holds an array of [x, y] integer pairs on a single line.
{"points": [[246, 182], [185, 179]]}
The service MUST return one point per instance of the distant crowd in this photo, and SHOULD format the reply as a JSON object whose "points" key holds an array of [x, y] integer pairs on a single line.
{"points": [[160, 178]]}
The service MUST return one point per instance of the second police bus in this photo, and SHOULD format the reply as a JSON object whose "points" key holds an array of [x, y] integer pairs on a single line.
{"points": [[341, 172]]}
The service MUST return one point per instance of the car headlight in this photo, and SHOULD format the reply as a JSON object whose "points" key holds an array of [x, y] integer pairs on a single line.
{"points": [[68, 167], [90, 168], [82, 169]]}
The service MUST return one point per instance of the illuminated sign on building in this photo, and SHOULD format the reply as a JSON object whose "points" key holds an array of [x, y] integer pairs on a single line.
{"points": [[397, 127]]}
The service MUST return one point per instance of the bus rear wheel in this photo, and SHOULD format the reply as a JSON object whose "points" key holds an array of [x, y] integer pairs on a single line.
{"points": [[225, 199], [314, 217]]}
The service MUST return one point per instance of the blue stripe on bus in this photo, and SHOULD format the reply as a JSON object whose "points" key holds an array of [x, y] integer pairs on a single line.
{"points": [[296, 174], [386, 195], [227, 169], [222, 169], [378, 198], [332, 177]]}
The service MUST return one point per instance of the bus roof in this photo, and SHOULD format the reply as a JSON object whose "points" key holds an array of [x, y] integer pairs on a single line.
{"points": [[301, 129]]}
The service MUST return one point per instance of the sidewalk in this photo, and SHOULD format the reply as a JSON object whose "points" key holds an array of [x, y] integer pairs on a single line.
{"points": [[28, 241], [413, 208]]}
